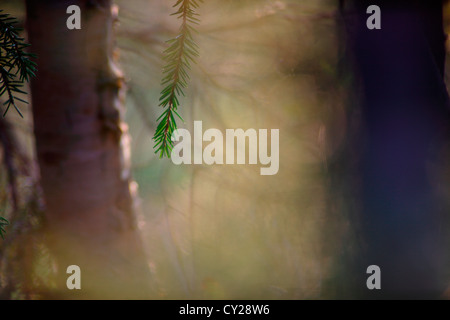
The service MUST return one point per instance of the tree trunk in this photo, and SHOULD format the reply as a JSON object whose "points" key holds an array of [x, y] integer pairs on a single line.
{"points": [[405, 111], [82, 150]]}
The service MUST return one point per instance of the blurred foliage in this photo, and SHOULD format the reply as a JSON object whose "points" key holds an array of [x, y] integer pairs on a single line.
{"points": [[3, 223]]}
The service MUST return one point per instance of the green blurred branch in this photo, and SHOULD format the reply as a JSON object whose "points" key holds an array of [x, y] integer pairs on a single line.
{"points": [[14, 62]]}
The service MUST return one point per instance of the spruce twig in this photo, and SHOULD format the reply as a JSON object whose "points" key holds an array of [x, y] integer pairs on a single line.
{"points": [[15, 64], [181, 52]]}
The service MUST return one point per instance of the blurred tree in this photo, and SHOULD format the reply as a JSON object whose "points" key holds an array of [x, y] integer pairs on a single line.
{"points": [[82, 150], [406, 121]]}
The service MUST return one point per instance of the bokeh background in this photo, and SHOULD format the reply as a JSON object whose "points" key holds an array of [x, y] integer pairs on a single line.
{"points": [[225, 231]]}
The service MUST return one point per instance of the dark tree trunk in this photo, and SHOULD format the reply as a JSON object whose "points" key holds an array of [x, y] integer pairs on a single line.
{"points": [[405, 114], [81, 148]]}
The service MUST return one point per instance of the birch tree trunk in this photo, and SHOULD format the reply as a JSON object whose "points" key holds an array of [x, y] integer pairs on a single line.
{"points": [[82, 150]]}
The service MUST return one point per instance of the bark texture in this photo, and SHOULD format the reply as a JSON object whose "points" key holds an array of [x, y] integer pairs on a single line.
{"points": [[82, 150]]}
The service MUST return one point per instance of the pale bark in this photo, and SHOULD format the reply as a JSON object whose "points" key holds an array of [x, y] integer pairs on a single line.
{"points": [[77, 100]]}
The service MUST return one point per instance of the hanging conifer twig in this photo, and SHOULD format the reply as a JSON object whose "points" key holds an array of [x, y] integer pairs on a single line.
{"points": [[14, 62], [181, 52], [3, 223]]}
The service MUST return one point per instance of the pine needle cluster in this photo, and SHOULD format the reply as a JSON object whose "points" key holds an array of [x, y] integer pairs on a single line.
{"points": [[15, 64], [181, 52], [3, 223]]}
